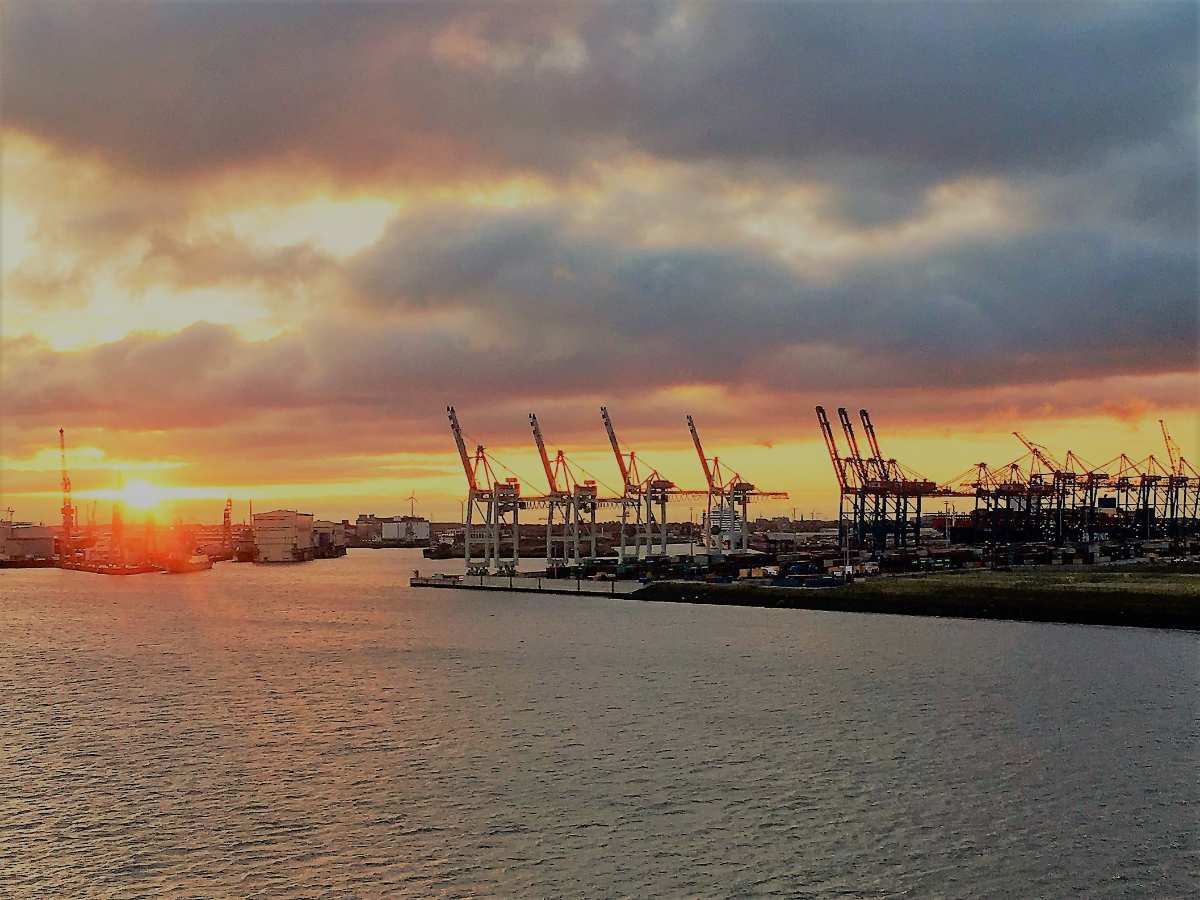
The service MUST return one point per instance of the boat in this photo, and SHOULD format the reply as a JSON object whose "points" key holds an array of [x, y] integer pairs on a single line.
{"points": [[443, 550], [111, 568], [197, 562]]}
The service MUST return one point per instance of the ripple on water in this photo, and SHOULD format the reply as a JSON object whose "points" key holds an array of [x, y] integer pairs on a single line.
{"points": [[321, 729]]}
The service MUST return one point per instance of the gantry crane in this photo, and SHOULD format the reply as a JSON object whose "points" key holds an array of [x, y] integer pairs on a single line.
{"points": [[497, 502], [645, 495], [884, 496], [729, 495], [1184, 485], [577, 499]]}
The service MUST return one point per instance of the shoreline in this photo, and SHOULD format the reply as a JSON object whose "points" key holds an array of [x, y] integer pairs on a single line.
{"points": [[1140, 600]]}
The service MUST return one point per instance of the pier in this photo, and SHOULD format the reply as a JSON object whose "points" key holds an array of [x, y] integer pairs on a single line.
{"points": [[529, 584]]}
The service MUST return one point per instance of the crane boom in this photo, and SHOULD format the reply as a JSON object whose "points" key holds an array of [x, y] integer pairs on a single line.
{"points": [[831, 446], [708, 475], [1038, 451], [1173, 452], [456, 429], [616, 447], [870, 431], [855, 457], [881, 465], [541, 446]]}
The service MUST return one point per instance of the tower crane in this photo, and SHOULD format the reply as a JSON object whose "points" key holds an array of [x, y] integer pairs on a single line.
{"points": [[227, 526], [68, 508]]}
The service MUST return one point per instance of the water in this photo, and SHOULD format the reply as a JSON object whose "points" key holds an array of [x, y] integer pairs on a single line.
{"points": [[322, 730]]}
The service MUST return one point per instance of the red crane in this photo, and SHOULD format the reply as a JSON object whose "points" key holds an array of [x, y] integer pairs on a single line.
{"points": [[227, 526], [839, 467], [68, 508], [1173, 452], [729, 495]]}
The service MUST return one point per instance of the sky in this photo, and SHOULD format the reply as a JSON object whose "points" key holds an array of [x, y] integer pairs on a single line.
{"points": [[254, 249]]}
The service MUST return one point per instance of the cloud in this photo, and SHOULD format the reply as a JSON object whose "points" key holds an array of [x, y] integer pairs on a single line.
{"points": [[1053, 302], [883, 99], [969, 213]]}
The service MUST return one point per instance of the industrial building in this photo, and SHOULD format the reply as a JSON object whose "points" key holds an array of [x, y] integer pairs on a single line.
{"points": [[284, 535], [392, 531], [329, 539], [23, 541]]}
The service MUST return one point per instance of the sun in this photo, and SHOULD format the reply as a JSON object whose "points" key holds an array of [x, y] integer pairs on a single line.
{"points": [[142, 494]]}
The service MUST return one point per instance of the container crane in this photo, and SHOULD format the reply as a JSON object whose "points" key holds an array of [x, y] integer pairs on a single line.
{"points": [[556, 500], [497, 501], [729, 495], [885, 496], [646, 495], [578, 499], [1185, 485], [839, 465], [847, 485]]}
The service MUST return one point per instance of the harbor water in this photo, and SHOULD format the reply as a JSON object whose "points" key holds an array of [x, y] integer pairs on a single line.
{"points": [[323, 729]]}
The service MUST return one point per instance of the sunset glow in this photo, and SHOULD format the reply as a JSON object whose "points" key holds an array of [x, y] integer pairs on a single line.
{"points": [[142, 495], [275, 298]]}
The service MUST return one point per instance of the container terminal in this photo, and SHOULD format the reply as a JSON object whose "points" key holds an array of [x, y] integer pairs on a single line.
{"points": [[1036, 512], [1037, 509]]}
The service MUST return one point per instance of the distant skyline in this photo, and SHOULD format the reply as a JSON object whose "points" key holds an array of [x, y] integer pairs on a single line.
{"points": [[255, 249]]}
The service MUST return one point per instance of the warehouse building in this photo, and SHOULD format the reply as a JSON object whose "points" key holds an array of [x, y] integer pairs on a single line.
{"points": [[19, 541], [329, 539], [392, 531], [284, 535]]}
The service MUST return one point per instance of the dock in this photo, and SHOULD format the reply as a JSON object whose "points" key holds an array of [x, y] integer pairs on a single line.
{"points": [[529, 584]]}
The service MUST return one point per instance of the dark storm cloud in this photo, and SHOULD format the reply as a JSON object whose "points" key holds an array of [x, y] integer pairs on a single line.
{"points": [[926, 91], [1009, 308]]}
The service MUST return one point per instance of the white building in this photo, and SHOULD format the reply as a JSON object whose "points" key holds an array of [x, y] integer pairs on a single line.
{"points": [[405, 528], [284, 535], [21, 541]]}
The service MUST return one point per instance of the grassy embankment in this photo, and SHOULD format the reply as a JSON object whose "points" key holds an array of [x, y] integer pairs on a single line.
{"points": [[1165, 596]]}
